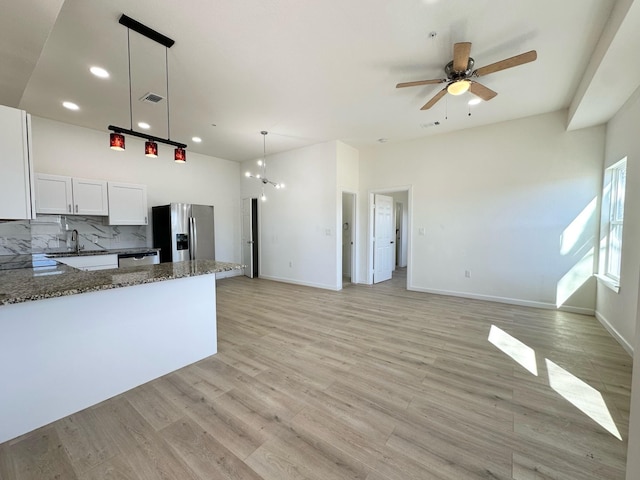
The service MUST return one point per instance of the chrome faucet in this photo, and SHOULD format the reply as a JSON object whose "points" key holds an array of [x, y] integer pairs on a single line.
{"points": [[75, 238]]}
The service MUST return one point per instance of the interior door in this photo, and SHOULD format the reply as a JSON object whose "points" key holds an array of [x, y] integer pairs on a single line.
{"points": [[383, 238], [247, 237]]}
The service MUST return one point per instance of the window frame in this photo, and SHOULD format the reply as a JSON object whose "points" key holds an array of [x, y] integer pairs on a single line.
{"points": [[615, 220]]}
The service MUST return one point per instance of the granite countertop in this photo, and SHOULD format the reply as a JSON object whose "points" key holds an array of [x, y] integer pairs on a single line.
{"points": [[37, 283]]}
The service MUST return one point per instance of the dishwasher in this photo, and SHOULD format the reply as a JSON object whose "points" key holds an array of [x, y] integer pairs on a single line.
{"points": [[133, 259]]}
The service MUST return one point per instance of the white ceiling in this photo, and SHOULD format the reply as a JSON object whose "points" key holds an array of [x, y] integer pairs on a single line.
{"points": [[310, 71]]}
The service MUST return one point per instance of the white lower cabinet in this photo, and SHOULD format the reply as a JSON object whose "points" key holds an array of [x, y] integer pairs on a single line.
{"points": [[90, 262], [127, 204], [58, 194]]}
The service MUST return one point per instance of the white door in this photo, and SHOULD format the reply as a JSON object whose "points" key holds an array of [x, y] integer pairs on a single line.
{"points": [[247, 237], [383, 238]]}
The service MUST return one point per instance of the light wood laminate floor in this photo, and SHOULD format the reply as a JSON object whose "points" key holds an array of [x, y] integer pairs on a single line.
{"points": [[372, 383]]}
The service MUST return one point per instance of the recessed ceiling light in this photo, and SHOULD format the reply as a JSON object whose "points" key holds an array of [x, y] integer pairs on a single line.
{"points": [[99, 72], [70, 106], [475, 101], [196, 139], [144, 125]]}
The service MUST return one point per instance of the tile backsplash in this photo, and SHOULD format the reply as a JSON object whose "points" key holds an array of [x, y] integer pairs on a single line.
{"points": [[52, 233]]}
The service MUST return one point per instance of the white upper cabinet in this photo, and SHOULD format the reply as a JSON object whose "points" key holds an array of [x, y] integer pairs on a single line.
{"points": [[127, 204], [58, 194], [90, 197], [53, 194], [16, 179]]}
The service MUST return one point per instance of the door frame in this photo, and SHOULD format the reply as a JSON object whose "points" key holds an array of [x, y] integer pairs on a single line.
{"points": [[370, 249], [353, 230], [354, 238], [255, 234]]}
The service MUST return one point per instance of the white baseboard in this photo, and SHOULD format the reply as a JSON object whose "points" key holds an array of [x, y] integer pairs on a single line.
{"points": [[614, 333], [507, 300], [297, 282], [229, 273]]}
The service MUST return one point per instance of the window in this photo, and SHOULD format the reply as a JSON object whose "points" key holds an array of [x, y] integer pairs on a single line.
{"points": [[613, 246]]}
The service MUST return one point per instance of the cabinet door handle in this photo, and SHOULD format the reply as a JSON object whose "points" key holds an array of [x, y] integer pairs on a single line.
{"points": [[69, 208], [76, 208]]}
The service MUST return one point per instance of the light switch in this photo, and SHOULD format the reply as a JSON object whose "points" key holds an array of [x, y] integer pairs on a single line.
{"points": [[421, 231]]}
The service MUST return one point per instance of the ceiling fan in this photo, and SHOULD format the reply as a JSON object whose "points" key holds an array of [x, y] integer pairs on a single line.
{"points": [[460, 74]]}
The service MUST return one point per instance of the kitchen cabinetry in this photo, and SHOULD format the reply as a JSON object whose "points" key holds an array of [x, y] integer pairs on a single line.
{"points": [[16, 180], [127, 204], [90, 262], [57, 194]]}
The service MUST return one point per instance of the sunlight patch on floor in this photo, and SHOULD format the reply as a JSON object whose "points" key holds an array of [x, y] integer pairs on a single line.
{"points": [[521, 353], [583, 396]]}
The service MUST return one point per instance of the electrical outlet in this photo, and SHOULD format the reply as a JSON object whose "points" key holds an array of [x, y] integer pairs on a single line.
{"points": [[421, 231], [290, 264], [467, 274]]}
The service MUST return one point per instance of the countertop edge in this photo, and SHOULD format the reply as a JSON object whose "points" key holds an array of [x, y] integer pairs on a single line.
{"points": [[98, 280]]}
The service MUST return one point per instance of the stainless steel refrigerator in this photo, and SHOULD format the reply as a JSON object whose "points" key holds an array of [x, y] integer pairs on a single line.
{"points": [[183, 231]]}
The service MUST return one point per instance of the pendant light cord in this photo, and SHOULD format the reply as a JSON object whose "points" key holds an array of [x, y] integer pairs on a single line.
{"points": [[166, 69], [130, 96]]}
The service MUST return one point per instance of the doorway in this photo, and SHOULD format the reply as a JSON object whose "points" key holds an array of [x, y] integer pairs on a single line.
{"points": [[389, 239], [348, 238], [250, 237]]}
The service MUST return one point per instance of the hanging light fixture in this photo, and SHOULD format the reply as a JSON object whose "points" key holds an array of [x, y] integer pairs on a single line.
{"points": [[151, 149], [179, 155], [116, 141], [262, 163], [116, 138]]}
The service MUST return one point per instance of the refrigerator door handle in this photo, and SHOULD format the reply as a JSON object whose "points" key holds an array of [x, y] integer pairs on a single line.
{"points": [[191, 256], [195, 238]]}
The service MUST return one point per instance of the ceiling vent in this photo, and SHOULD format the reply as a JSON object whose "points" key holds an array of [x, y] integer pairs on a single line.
{"points": [[151, 97]]}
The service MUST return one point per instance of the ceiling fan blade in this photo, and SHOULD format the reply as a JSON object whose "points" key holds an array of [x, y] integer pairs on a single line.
{"points": [[507, 63], [461, 53], [420, 82], [481, 91], [435, 99]]}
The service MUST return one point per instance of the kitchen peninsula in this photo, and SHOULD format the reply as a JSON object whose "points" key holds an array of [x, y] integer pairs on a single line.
{"points": [[70, 339]]}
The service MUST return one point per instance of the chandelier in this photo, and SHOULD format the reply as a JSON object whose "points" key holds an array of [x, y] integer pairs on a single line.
{"points": [[262, 163]]}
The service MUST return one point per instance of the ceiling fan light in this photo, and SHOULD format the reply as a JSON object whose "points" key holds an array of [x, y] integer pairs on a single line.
{"points": [[459, 87], [151, 149], [116, 141], [180, 155]]}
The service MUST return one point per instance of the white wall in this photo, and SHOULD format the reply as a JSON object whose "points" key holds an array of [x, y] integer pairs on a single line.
{"points": [[297, 225], [63, 149], [633, 459], [513, 203], [619, 310]]}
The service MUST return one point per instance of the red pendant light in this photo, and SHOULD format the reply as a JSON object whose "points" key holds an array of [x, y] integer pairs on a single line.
{"points": [[151, 149], [180, 155], [116, 141]]}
